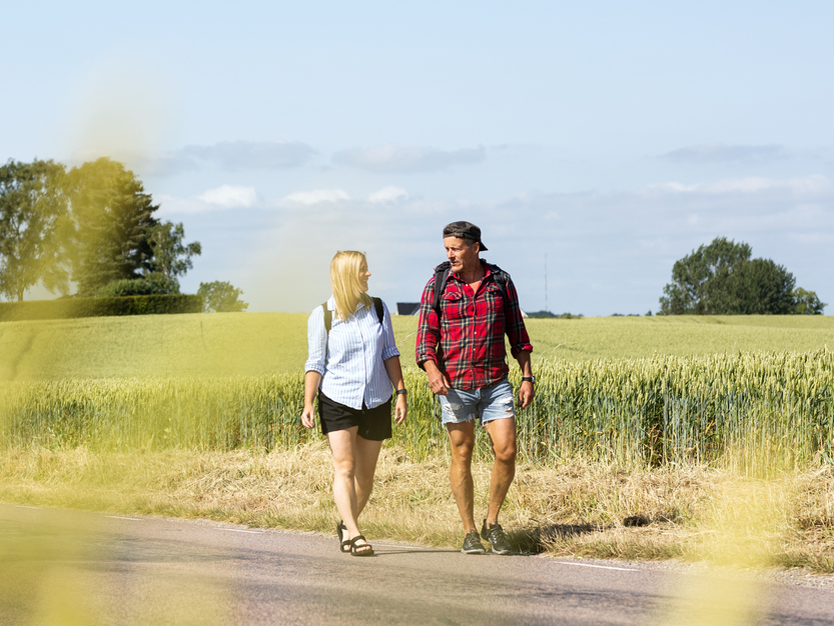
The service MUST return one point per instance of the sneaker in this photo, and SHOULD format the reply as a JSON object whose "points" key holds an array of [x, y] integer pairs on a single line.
{"points": [[495, 535], [472, 544]]}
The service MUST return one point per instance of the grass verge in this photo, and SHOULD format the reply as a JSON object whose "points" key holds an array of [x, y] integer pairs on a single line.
{"points": [[575, 508]]}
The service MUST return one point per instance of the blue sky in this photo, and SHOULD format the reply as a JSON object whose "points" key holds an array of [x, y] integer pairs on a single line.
{"points": [[607, 138]]}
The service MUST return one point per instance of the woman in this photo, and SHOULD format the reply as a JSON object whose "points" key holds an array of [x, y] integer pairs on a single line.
{"points": [[352, 363]]}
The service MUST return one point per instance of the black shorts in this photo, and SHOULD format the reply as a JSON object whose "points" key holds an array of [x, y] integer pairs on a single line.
{"points": [[374, 424]]}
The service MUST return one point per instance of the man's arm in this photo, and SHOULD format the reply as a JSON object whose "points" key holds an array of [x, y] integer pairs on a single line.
{"points": [[520, 345], [527, 391], [514, 323], [428, 336]]}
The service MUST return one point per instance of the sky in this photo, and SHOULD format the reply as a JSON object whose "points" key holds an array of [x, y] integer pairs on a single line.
{"points": [[594, 143]]}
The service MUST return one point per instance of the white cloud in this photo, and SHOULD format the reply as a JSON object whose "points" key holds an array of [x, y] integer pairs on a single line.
{"points": [[389, 194], [807, 185], [239, 155], [716, 152], [317, 196], [229, 156], [407, 159], [606, 252], [172, 205], [228, 196]]}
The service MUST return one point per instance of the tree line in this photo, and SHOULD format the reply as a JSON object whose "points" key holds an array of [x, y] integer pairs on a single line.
{"points": [[722, 279], [92, 228]]}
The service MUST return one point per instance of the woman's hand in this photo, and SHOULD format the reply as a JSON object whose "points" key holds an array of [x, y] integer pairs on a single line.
{"points": [[401, 409], [308, 416], [312, 380]]}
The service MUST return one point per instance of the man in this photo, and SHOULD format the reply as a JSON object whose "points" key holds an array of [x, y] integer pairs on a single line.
{"points": [[460, 345]]}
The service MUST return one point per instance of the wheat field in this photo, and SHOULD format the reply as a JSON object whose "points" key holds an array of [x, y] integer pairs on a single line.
{"points": [[685, 424]]}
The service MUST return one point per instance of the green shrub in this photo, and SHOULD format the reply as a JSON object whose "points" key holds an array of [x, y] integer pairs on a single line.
{"points": [[130, 287]]}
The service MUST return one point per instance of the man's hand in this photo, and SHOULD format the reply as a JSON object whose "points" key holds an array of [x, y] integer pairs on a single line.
{"points": [[526, 393], [437, 380]]}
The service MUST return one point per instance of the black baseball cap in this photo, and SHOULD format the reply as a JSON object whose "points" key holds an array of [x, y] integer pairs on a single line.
{"points": [[464, 230]]}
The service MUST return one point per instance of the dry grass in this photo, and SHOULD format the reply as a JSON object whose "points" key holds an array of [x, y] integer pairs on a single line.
{"points": [[572, 509]]}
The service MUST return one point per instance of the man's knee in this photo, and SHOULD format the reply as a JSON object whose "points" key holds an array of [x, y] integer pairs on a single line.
{"points": [[503, 439], [506, 453], [461, 442], [462, 451]]}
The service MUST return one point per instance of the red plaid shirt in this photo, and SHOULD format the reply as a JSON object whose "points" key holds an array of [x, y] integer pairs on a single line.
{"points": [[467, 342]]}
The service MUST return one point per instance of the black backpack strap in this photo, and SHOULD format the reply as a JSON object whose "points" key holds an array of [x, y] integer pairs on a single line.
{"points": [[441, 277], [378, 306], [501, 279]]}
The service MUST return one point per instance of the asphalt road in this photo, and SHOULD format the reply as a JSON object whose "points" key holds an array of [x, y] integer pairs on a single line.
{"points": [[63, 567]]}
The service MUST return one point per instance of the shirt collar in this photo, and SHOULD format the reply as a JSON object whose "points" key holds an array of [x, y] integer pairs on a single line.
{"points": [[487, 271]]}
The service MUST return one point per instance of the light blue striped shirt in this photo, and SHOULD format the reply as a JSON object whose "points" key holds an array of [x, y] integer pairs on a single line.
{"points": [[353, 369]]}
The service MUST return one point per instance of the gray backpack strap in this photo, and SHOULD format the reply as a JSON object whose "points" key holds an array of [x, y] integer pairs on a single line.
{"points": [[328, 318]]}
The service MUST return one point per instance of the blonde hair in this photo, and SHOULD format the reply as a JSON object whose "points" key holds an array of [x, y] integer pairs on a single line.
{"points": [[344, 280]]}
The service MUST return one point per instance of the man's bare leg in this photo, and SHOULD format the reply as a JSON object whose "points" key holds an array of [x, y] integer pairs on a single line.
{"points": [[462, 440], [502, 434]]}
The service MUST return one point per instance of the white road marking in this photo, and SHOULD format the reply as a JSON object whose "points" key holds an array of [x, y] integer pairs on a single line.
{"points": [[133, 519], [389, 545], [237, 530], [621, 569]]}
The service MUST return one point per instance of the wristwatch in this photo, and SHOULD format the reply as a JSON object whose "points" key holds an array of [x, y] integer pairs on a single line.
{"points": [[529, 379], [402, 392]]}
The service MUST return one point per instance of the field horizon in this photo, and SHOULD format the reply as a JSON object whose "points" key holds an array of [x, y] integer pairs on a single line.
{"points": [[256, 344]]}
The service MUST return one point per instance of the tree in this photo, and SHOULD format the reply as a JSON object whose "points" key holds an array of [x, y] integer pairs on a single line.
{"points": [[758, 287], [171, 258], [34, 228], [807, 302], [221, 297], [698, 280], [113, 215], [721, 279]]}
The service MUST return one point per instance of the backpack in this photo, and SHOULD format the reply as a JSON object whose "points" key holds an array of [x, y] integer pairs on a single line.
{"points": [[328, 314], [441, 277]]}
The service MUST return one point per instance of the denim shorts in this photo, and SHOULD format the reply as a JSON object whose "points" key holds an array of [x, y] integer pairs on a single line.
{"points": [[487, 404]]}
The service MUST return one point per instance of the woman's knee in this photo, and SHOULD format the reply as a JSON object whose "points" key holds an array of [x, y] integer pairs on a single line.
{"points": [[344, 468]]}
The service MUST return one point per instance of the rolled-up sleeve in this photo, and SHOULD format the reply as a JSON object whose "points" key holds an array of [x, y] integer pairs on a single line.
{"points": [[389, 344], [316, 342], [515, 328]]}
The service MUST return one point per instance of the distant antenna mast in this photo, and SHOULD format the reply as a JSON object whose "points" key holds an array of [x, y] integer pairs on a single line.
{"points": [[545, 282]]}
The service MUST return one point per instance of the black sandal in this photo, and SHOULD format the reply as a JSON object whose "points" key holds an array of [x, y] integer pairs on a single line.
{"points": [[368, 551], [344, 544]]}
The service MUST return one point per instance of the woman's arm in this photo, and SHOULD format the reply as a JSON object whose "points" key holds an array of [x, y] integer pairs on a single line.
{"points": [[312, 380], [395, 373]]}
